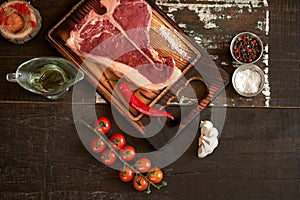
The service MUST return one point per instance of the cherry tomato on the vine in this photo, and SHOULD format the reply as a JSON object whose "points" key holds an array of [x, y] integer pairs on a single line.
{"points": [[118, 141], [143, 165], [108, 157], [140, 183], [127, 153], [126, 174], [102, 125], [97, 145], [155, 175]]}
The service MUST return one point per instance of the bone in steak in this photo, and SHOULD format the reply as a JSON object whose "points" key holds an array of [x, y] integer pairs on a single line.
{"points": [[119, 39]]}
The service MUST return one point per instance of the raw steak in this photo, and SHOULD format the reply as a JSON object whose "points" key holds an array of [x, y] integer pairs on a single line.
{"points": [[120, 40]]}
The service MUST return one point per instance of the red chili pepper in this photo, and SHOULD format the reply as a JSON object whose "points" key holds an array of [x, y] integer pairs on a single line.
{"points": [[139, 105]]}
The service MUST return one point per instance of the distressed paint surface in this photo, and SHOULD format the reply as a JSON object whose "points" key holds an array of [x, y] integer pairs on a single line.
{"points": [[212, 24]]}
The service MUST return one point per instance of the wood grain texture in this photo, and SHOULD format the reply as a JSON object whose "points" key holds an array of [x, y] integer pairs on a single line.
{"points": [[198, 63], [283, 46], [99, 73], [214, 23], [42, 156], [285, 55]]}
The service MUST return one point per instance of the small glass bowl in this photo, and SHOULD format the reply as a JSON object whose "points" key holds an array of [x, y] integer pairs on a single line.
{"points": [[247, 44], [248, 80]]}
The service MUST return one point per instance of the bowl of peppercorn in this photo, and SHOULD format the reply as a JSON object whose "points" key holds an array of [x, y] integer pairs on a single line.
{"points": [[246, 48]]}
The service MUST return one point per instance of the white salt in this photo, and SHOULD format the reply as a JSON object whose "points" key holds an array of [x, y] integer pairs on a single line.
{"points": [[248, 81], [173, 42]]}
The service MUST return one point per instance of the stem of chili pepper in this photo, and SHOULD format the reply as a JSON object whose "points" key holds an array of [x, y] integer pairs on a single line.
{"points": [[108, 144], [139, 105]]}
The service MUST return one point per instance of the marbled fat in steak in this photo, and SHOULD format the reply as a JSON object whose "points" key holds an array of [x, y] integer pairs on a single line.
{"points": [[122, 35]]}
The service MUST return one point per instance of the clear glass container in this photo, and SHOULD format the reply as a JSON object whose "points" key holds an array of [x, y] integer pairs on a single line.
{"points": [[50, 77]]}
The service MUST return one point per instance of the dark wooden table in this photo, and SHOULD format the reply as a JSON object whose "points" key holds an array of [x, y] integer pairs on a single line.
{"points": [[42, 157]]}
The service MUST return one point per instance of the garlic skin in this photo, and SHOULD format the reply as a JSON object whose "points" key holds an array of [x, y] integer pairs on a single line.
{"points": [[213, 133], [208, 140], [206, 126]]}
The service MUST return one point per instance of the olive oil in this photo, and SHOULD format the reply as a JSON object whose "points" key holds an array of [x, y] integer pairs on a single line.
{"points": [[49, 78]]}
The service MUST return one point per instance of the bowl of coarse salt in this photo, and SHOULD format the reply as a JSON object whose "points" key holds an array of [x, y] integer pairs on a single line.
{"points": [[248, 80]]}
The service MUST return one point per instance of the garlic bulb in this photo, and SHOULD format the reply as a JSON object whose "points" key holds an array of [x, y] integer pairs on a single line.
{"points": [[205, 126], [208, 140]]}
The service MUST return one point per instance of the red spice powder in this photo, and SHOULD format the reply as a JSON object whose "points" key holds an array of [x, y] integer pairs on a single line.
{"points": [[22, 8], [6, 21], [33, 24], [1, 16]]}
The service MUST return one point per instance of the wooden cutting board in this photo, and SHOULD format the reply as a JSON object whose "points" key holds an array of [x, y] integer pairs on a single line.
{"points": [[165, 37]]}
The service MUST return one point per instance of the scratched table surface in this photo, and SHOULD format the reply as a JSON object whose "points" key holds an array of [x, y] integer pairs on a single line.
{"points": [[42, 157]]}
